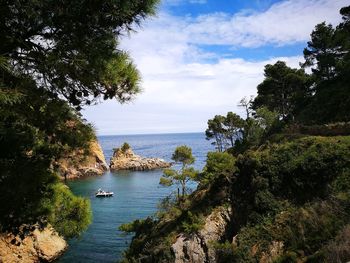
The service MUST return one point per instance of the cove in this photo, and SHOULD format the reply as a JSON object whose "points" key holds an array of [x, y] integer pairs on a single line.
{"points": [[136, 194]]}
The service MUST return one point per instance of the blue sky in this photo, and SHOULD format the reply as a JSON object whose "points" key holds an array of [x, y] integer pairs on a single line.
{"points": [[198, 58]]}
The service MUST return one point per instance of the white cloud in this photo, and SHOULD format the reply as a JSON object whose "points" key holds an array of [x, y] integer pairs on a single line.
{"points": [[283, 23], [184, 98], [182, 90]]}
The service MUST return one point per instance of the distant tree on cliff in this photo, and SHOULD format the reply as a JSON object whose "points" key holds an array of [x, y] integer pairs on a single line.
{"points": [[225, 130], [246, 103], [56, 57], [216, 131], [183, 156], [234, 125]]}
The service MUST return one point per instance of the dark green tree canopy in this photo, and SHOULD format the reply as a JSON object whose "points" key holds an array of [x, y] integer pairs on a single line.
{"points": [[183, 154], [55, 54], [70, 47], [328, 55], [283, 89]]}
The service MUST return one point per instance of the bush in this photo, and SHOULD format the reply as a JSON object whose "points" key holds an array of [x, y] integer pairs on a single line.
{"points": [[136, 226], [70, 215], [192, 223], [218, 164], [125, 147]]}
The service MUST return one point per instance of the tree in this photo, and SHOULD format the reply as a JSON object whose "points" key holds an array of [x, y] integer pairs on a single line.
{"points": [[56, 57], [216, 131], [218, 164], [183, 156], [321, 51], [70, 47], [328, 55], [247, 105], [283, 90], [234, 125]]}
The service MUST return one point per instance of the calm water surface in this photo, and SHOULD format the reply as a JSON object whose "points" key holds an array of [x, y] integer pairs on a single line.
{"points": [[136, 194]]}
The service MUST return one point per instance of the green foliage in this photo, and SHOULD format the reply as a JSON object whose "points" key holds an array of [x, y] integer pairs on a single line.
{"points": [[183, 155], [75, 59], [217, 164], [300, 171], [70, 215], [284, 90], [166, 181], [136, 225], [168, 209], [61, 64], [192, 223], [216, 131], [34, 133], [286, 192], [224, 251], [303, 232], [226, 131], [125, 147], [328, 54]]}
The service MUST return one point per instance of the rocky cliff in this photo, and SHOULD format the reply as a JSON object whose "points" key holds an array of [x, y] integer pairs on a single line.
{"points": [[126, 159], [77, 164], [189, 233], [199, 247], [32, 244]]}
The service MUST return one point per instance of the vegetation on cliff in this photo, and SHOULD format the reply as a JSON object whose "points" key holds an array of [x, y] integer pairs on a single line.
{"points": [[55, 58], [283, 171]]}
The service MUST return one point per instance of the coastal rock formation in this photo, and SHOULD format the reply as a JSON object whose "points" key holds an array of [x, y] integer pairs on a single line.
{"points": [[198, 247], [37, 245], [77, 165], [125, 159]]}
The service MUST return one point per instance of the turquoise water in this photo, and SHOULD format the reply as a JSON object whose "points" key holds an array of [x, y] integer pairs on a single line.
{"points": [[136, 194]]}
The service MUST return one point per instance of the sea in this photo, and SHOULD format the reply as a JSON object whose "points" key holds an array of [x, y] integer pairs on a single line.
{"points": [[136, 194]]}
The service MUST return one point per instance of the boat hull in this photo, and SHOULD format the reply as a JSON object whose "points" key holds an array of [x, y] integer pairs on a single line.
{"points": [[104, 195]]}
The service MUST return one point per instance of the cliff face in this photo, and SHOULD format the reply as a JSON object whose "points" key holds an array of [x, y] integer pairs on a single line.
{"points": [[128, 160], [198, 247], [34, 245], [77, 165]]}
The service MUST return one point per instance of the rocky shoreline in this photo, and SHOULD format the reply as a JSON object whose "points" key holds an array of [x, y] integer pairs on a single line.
{"points": [[125, 159], [31, 244], [76, 165]]}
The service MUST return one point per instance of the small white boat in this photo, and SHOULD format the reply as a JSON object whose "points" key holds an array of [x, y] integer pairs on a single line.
{"points": [[101, 193]]}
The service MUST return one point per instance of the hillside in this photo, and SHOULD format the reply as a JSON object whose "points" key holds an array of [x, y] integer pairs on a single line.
{"points": [[283, 202]]}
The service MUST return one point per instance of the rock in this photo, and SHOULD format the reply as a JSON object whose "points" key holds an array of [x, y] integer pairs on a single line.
{"points": [[77, 165], [198, 247], [127, 160], [39, 245], [274, 251], [189, 249]]}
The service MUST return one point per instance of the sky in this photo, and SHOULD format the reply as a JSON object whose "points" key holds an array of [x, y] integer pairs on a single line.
{"points": [[198, 58]]}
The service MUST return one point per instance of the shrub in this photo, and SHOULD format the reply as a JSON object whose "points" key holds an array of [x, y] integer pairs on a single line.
{"points": [[125, 147], [218, 164], [192, 223], [136, 226], [70, 215]]}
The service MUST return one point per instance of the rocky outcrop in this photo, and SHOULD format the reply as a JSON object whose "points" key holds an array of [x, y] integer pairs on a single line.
{"points": [[275, 250], [198, 247], [77, 164], [36, 245], [126, 159]]}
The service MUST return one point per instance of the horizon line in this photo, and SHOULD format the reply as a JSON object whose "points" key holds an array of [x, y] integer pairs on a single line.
{"points": [[135, 134]]}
